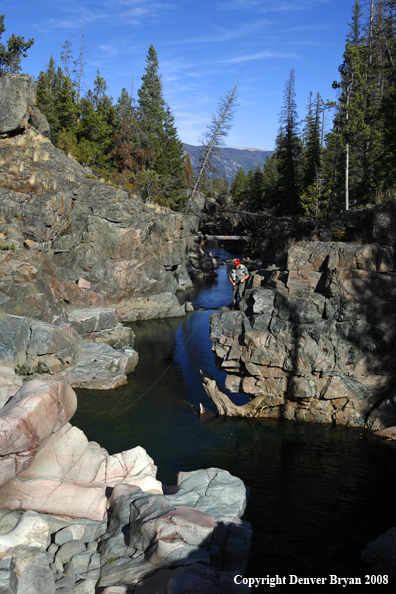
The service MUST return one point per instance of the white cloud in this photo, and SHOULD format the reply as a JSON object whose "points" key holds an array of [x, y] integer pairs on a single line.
{"points": [[272, 5], [259, 56], [110, 49], [221, 34]]}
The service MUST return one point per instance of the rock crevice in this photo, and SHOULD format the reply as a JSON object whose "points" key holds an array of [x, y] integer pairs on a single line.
{"points": [[315, 341]]}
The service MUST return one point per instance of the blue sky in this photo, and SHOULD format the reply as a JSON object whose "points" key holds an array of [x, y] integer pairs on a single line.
{"points": [[204, 48]]}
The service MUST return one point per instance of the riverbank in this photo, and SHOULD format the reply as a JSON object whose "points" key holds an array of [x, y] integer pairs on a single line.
{"points": [[313, 488]]}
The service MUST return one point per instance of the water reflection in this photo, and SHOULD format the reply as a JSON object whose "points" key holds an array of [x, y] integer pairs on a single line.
{"points": [[318, 494]]}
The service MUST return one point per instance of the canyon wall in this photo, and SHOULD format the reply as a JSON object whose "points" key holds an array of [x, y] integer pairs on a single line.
{"points": [[315, 341]]}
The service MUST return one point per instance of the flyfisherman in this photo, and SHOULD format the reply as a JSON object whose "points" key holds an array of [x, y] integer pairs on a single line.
{"points": [[238, 276]]}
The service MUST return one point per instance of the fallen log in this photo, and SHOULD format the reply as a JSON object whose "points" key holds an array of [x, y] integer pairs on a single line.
{"points": [[388, 433], [224, 406], [224, 237]]}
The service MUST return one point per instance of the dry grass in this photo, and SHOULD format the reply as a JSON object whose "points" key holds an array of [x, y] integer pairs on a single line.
{"points": [[383, 197], [29, 139], [157, 208]]}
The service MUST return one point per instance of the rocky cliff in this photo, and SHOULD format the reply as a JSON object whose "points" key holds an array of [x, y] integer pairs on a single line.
{"points": [[79, 227], [69, 242], [316, 340]]}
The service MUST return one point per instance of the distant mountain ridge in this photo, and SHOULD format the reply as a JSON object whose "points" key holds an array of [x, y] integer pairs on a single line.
{"points": [[230, 159]]}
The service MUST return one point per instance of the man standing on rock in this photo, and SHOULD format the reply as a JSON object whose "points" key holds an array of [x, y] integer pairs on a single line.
{"points": [[238, 276]]}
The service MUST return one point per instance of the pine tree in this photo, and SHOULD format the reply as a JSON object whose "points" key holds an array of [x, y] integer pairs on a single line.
{"points": [[131, 152], [288, 150], [385, 167], [351, 112], [254, 191], [312, 144], [47, 87], [98, 123], [66, 106], [170, 160], [66, 57], [124, 105], [11, 56], [270, 181], [152, 104], [216, 131], [238, 186], [333, 169], [79, 65]]}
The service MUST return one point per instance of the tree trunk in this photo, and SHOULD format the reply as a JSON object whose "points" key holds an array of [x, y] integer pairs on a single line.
{"points": [[80, 68], [347, 177], [223, 404], [223, 117], [225, 237]]}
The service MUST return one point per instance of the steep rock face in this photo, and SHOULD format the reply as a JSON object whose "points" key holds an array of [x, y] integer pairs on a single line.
{"points": [[85, 228], [316, 342], [76, 227], [67, 242], [17, 105], [25, 290]]}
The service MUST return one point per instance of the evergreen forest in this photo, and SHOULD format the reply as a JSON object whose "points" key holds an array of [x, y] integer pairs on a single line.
{"points": [[317, 169], [315, 172]]}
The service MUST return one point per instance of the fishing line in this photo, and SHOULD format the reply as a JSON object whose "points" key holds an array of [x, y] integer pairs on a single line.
{"points": [[160, 377]]}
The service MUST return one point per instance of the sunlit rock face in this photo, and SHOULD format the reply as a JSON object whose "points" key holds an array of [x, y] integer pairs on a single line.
{"points": [[316, 341], [74, 517], [70, 242], [48, 465], [72, 228], [92, 242], [17, 105]]}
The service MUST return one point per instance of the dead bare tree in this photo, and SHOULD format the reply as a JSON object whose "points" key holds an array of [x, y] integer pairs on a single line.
{"points": [[66, 56], [217, 130], [79, 64]]}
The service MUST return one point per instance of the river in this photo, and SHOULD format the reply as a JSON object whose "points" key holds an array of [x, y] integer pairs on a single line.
{"points": [[318, 493]]}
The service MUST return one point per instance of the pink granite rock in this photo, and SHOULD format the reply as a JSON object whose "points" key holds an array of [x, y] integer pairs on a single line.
{"points": [[71, 476], [388, 433], [36, 411], [83, 283], [9, 384]]}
